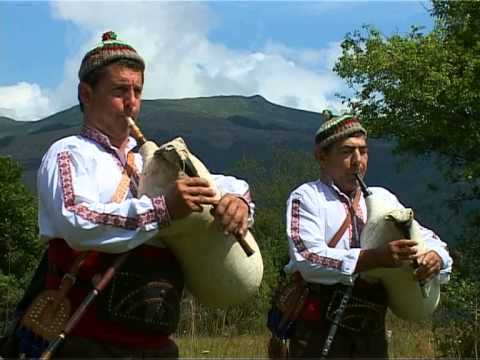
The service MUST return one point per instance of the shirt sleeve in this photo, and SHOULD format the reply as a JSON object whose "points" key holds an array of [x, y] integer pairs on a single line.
{"points": [[69, 203], [432, 241], [309, 252], [238, 187]]}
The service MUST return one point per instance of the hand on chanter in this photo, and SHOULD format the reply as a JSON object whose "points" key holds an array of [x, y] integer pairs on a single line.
{"points": [[394, 252], [430, 264], [187, 194], [231, 213]]}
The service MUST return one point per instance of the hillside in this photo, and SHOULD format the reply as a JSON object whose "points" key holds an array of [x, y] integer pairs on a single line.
{"points": [[224, 129]]}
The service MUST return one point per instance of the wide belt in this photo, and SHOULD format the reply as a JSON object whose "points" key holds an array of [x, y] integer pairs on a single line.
{"points": [[365, 311]]}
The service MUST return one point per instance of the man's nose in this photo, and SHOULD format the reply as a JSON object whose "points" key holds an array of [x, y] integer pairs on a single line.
{"points": [[129, 99], [356, 156]]}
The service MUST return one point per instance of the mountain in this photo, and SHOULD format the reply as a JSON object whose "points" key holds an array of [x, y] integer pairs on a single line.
{"points": [[221, 130]]}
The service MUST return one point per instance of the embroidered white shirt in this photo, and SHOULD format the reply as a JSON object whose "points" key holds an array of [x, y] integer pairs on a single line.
{"points": [[76, 181], [315, 212]]}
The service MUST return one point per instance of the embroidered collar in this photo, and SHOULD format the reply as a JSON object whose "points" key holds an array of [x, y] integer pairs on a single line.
{"points": [[103, 140]]}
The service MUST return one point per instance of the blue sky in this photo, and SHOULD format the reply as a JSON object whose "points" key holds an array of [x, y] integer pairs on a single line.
{"points": [[283, 51]]}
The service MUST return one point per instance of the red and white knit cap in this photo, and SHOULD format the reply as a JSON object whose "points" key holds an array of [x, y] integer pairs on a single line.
{"points": [[337, 127], [109, 50]]}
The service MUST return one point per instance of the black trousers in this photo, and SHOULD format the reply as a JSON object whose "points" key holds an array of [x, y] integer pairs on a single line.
{"points": [[362, 333], [308, 341]]}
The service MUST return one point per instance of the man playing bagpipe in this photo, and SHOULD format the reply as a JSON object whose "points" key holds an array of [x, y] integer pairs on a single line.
{"points": [[90, 214], [335, 313]]}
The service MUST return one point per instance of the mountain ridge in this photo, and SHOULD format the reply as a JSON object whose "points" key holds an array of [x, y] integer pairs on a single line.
{"points": [[222, 130]]}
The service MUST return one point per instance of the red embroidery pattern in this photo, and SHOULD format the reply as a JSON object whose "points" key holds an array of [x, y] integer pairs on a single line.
{"points": [[66, 181], [161, 211], [361, 221], [102, 140], [300, 245]]}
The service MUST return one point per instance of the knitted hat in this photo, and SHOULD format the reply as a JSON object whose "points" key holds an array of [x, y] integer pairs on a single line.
{"points": [[108, 51], [337, 127]]}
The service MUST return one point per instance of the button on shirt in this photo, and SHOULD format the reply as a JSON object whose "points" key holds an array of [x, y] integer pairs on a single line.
{"points": [[76, 181], [315, 212]]}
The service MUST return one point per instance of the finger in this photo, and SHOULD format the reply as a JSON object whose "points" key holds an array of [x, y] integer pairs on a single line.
{"points": [[201, 199], [426, 257], [423, 271], [195, 181], [194, 206], [227, 223], [233, 226], [231, 213], [425, 260], [420, 258], [406, 250], [430, 269], [230, 218], [243, 227], [223, 205], [405, 253], [405, 243], [435, 258], [198, 190]]}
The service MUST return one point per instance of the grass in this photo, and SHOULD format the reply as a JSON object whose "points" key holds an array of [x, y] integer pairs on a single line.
{"points": [[407, 340], [247, 346]]}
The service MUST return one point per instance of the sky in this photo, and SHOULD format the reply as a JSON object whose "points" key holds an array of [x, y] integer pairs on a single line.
{"points": [[283, 51]]}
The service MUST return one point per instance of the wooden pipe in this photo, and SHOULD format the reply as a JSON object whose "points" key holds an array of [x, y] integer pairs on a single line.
{"points": [[135, 131], [137, 134]]}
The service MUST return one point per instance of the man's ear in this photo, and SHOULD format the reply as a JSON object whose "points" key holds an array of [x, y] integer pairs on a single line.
{"points": [[319, 154], [85, 93]]}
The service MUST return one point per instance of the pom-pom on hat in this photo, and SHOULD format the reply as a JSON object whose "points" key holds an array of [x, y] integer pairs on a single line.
{"points": [[337, 127], [108, 51]]}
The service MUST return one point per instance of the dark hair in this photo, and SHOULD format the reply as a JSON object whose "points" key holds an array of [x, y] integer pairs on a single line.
{"points": [[94, 77]]}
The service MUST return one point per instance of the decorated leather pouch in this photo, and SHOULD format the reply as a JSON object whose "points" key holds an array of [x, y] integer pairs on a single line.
{"points": [[287, 304], [144, 296]]}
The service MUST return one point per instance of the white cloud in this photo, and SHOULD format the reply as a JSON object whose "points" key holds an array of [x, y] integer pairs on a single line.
{"points": [[183, 62], [322, 59], [24, 101]]}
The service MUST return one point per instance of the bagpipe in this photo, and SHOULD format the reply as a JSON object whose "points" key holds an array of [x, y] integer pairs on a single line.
{"points": [[408, 298], [220, 270]]}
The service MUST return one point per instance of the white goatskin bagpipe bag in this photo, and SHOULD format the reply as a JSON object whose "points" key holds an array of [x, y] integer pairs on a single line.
{"points": [[407, 298], [217, 270]]}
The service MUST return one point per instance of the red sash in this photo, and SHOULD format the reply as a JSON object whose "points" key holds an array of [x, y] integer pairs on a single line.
{"points": [[61, 257]]}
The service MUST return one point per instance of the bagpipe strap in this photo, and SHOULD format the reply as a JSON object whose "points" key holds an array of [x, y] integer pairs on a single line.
{"points": [[124, 184], [346, 223]]}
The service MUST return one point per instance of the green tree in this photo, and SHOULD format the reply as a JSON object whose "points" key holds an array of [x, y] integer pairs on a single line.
{"points": [[19, 245], [422, 90]]}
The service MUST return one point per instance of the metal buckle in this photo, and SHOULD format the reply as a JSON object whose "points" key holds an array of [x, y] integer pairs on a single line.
{"points": [[69, 276]]}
